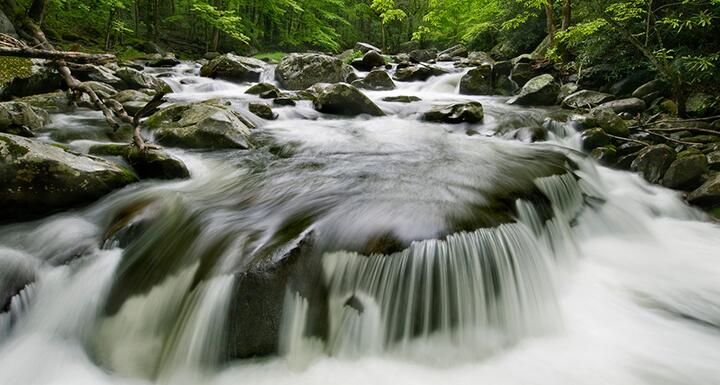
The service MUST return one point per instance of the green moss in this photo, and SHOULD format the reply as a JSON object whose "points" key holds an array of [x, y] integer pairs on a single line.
{"points": [[271, 57], [14, 67], [355, 55]]}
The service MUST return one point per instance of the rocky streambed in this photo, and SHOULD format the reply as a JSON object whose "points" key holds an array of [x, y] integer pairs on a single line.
{"points": [[322, 207]]}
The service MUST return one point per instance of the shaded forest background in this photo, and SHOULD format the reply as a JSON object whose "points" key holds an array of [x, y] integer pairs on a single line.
{"points": [[677, 39]]}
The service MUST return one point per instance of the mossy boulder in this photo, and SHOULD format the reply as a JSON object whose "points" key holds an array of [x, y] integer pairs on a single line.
{"points": [[234, 68], [707, 195], [300, 71], [701, 104], [594, 138], [370, 60], [414, 73], [264, 89], [38, 178], [609, 121], [155, 163], [21, 119], [686, 172], [262, 110], [376, 80], [471, 112], [539, 91], [478, 81], [41, 78], [653, 161], [208, 125], [344, 99]]}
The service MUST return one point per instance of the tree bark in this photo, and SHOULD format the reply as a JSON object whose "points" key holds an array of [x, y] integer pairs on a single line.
{"points": [[567, 14], [74, 57], [550, 19]]}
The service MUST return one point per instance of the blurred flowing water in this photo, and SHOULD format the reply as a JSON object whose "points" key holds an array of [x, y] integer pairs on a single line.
{"points": [[366, 250]]}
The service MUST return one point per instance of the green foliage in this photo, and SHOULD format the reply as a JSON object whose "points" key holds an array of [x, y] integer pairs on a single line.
{"points": [[225, 21]]}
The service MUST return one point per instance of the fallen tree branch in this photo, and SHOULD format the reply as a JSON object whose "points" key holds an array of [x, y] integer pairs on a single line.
{"points": [[669, 139], [75, 57], [627, 139]]}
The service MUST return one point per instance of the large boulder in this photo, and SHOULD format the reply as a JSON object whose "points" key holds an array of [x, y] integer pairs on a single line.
{"points": [[136, 80], [478, 81], [700, 104], [653, 161], [132, 100], [369, 61], [650, 90], [376, 80], [344, 99], [539, 91], [91, 72], [21, 119], [154, 163], [300, 71], [38, 178], [686, 173], [413, 74], [234, 68], [423, 55], [43, 78], [586, 99], [471, 112], [6, 26], [522, 72], [200, 125], [707, 195], [609, 121], [629, 105], [594, 138]]}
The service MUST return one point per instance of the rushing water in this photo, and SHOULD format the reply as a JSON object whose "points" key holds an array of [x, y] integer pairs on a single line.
{"points": [[421, 254]]}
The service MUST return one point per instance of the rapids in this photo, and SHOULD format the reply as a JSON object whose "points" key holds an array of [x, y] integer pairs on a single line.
{"points": [[436, 254]]}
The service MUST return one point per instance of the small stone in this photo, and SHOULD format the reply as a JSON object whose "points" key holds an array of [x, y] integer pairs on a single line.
{"points": [[686, 173], [262, 110], [401, 99], [471, 112], [594, 138]]}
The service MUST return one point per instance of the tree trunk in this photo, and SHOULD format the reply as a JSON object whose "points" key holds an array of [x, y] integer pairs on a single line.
{"points": [[108, 31], [37, 11], [567, 14], [550, 18], [75, 57]]}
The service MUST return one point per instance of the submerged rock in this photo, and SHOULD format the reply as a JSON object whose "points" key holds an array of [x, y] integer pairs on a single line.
{"points": [[376, 80], [653, 161], [201, 125], [401, 99], [594, 138], [471, 112], [300, 71], [234, 68], [539, 91], [38, 178], [344, 99], [478, 81], [136, 80]]}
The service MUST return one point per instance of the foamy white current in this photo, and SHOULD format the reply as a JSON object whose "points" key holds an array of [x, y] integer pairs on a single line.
{"points": [[620, 284]]}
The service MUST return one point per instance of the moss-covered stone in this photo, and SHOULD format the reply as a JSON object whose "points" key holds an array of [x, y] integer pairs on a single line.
{"points": [[37, 178]]}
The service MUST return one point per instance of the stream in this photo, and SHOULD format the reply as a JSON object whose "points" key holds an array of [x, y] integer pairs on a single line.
{"points": [[358, 250]]}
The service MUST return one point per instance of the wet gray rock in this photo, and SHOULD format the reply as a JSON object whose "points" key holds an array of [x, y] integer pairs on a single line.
{"points": [[631, 105], [401, 99], [685, 173], [300, 71], [539, 91], [586, 99], [6, 26], [344, 99], [423, 55], [21, 119], [369, 61], [414, 73], [234, 68], [154, 163], [471, 112], [136, 80], [707, 195], [263, 89], [262, 110], [609, 121], [606, 155], [522, 72], [652, 88], [478, 81], [376, 80], [132, 100], [38, 178], [200, 125], [653, 161]]}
